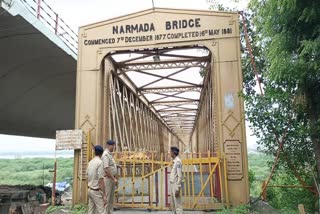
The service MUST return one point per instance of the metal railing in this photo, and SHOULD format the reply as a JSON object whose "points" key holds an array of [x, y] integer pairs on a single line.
{"points": [[144, 181], [43, 12]]}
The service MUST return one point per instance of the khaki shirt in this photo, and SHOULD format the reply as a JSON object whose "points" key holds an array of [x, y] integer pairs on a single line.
{"points": [[95, 172], [108, 161], [176, 172]]}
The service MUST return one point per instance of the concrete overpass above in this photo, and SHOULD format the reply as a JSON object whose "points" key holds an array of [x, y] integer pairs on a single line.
{"points": [[37, 70]]}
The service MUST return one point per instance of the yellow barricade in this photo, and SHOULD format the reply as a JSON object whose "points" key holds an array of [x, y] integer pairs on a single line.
{"points": [[144, 181]]}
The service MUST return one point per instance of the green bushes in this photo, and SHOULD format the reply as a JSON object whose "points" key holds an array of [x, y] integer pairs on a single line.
{"points": [[77, 209], [287, 199], [284, 199], [33, 171], [242, 209]]}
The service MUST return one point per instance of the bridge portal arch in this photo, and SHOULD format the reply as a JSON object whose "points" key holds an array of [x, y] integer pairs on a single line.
{"points": [[218, 123]]}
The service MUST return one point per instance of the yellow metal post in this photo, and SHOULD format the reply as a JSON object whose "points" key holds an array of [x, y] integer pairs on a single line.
{"points": [[133, 179], [192, 181], [124, 178], [223, 200], [225, 180], [54, 183], [161, 182], [184, 173], [151, 181], [75, 185], [187, 181], [211, 180], [201, 175], [142, 178]]}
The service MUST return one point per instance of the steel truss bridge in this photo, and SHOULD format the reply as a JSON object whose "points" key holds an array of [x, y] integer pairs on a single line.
{"points": [[147, 96]]}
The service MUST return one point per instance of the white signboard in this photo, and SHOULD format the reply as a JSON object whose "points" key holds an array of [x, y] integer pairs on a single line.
{"points": [[229, 101], [69, 139]]}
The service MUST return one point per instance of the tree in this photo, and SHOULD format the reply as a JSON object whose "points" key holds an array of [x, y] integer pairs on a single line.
{"points": [[289, 37], [288, 34], [285, 39]]}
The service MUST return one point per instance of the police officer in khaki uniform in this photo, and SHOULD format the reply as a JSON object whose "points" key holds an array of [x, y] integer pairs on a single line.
{"points": [[96, 187], [175, 181], [110, 169]]}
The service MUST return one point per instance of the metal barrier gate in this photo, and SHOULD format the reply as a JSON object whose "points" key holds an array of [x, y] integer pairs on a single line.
{"points": [[144, 181]]}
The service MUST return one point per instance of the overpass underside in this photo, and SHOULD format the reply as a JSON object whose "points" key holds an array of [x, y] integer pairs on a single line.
{"points": [[37, 73], [149, 95]]}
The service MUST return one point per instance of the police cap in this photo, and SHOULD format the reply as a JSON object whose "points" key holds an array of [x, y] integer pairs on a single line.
{"points": [[175, 149], [111, 142], [98, 150]]}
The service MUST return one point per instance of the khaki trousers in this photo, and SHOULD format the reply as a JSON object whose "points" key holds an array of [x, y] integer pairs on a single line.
{"points": [[176, 202], [95, 202], [110, 188]]}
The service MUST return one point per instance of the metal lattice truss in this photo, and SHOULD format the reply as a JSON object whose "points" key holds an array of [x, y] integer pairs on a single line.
{"points": [[205, 118], [167, 64], [134, 125], [169, 81]]}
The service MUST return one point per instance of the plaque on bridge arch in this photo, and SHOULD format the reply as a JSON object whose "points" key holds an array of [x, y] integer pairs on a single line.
{"points": [[233, 152]]}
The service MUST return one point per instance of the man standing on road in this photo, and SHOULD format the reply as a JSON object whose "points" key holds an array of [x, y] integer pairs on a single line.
{"points": [[96, 187], [110, 169], [175, 181]]}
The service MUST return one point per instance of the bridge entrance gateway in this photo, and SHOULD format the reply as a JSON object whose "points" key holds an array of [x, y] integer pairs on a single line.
{"points": [[161, 78]]}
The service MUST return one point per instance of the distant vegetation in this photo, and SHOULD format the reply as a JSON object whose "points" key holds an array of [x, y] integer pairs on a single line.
{"points": [[258, 172], [34, 171]]}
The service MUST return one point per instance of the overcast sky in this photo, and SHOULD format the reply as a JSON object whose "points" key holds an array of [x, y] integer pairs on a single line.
{"points": [[82, 12]]}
